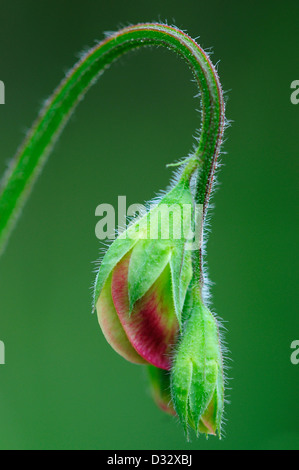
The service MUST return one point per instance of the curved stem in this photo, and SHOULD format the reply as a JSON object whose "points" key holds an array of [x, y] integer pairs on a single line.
{"points": [[28, 162]]}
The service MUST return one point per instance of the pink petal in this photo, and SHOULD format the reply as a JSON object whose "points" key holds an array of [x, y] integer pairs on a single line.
{"points": [[112, 328]]}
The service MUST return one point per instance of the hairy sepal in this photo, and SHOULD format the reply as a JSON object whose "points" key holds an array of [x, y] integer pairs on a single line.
{"points": [[147, 262]]}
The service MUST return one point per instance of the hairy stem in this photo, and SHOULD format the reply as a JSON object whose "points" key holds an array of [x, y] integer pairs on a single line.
{"points": [[28, 162]]}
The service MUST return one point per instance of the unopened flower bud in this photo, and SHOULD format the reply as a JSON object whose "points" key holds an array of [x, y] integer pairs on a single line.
{"points": [[197, 382]]}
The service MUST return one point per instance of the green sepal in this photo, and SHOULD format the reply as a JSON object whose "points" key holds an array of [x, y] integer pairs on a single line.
{"points": [[181, 273], [220, 402], [148, 260], [117, 250], [181, 378], [204, 380]]}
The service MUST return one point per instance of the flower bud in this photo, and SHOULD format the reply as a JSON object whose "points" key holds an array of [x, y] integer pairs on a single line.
{"points": [[197, 383], [143, 279]]}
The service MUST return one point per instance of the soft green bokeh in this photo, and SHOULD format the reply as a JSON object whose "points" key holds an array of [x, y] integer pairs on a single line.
{"points": [[63, 387]]}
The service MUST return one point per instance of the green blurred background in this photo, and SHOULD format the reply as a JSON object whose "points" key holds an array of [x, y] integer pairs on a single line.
{"points": [[62, 386]]}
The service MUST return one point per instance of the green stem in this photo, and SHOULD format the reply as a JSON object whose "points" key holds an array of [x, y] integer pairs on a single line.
{"points": [[30, 159]]}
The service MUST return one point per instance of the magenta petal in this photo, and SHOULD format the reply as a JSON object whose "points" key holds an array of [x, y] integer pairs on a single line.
{"points": [[152, 327]]}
